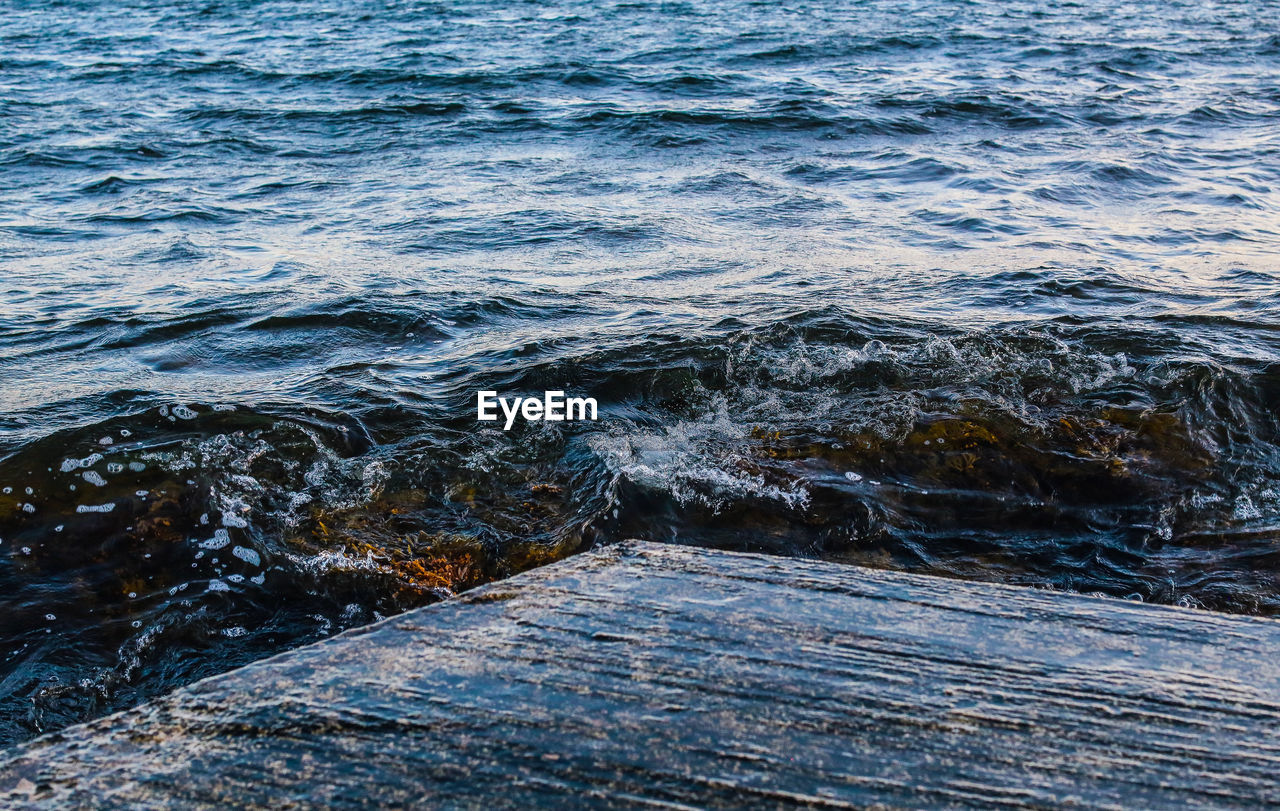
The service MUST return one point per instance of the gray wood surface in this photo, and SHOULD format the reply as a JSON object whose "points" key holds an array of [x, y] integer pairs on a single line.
{"points": [[648, 674]]}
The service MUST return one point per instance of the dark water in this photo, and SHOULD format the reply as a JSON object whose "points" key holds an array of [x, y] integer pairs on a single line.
{"points": [[982, 289]]}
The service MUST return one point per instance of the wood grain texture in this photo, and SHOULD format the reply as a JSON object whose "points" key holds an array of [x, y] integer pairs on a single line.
{"points": [[657, 675]]}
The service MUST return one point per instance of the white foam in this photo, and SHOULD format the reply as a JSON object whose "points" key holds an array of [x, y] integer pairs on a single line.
{"points": [[697, 461], [220, 539], [69, 465], [248, 555]]}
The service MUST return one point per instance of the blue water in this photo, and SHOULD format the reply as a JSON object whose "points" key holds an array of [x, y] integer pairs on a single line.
{"points": [[982, 289]]}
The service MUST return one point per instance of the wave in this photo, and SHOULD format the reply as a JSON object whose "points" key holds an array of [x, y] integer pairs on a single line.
{"points": [[961, 288], [1047, 457]]}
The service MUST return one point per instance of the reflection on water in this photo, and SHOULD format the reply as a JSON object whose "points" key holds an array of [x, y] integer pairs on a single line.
{"points": [[982, 290]]}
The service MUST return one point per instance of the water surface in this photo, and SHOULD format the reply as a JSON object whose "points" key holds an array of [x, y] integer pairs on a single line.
{"points": [[980, 289]]}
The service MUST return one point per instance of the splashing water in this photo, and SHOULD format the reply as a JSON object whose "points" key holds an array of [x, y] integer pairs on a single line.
{"points": [[985, 290]]}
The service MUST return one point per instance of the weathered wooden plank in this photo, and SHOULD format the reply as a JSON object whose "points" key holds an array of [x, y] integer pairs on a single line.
{"points": [[648, 674]]}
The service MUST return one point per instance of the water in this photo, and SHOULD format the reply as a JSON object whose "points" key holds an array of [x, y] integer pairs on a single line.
{"points": [[981, 289]]}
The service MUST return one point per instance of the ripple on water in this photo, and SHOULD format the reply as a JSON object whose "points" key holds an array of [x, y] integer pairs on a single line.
{"points": [[979, 289]]}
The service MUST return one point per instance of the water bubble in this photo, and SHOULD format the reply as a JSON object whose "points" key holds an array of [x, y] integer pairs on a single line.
{"points": [[69, 465], [184, 413], [96, 508], [93, 477], [249, 556], [220, 539]]}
